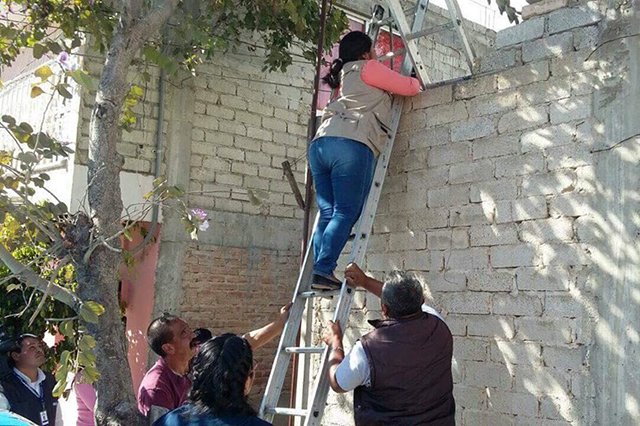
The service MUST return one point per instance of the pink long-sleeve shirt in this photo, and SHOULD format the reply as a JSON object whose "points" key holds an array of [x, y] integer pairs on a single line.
{"points": [[376, 74]]}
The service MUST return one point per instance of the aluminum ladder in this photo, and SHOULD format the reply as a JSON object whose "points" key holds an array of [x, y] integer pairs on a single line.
{"points": [[390, 14]]}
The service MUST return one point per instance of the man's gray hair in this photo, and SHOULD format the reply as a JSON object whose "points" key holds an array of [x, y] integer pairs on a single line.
{"points": [[402, 294]]}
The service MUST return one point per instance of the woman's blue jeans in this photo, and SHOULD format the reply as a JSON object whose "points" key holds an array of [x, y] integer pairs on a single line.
{"points": [[342, 171]]}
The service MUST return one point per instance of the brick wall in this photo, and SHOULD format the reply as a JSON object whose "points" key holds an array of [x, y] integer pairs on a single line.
{"points": [[489, 198], [238, 290]]}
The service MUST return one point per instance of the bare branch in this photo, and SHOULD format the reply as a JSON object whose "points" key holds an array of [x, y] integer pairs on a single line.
{"points": [[101, 242], [12, 136], [607, 42], [33, 280], [54, 275], [27, 304]]}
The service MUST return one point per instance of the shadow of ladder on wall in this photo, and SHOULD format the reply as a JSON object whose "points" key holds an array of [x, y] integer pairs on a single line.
{"points": [[389, 14]]}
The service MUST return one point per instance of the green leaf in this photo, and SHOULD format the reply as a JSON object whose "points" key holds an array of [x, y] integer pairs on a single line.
{"points": [[62, 372], [9, 120], [86, 343], [54, 47], [83, 79], [12, 287], [86, 358], [26, 127], [36, 91], [66, 328], [27, 157], [137, 91], [91, 374], [158, 181], [59, 388], [62, 89], [64, 357], [39, 51], [44, 72], [90, 311], [127, 235]]}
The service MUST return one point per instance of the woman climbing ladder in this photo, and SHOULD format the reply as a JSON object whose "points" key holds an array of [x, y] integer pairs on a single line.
{"points": [[342, 155]]}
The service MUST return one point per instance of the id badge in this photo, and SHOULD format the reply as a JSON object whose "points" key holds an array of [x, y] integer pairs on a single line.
{"points": [[44, 420]]}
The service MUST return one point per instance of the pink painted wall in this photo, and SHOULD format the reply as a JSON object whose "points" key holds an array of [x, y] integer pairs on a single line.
{"points": [[138, 284]]}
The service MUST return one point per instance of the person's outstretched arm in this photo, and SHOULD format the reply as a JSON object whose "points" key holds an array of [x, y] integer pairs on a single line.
{"points": [[357, 278], [263, 335], [376, 74]]}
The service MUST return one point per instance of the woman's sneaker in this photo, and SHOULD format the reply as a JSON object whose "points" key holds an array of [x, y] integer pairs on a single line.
{"points": [[322, 282]]}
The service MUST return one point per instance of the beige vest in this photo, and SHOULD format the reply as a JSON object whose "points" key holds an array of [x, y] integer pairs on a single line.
{"points": [[360, 112]]}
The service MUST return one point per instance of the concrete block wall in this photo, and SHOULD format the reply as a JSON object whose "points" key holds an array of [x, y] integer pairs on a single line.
{"points": [[492, 198]]}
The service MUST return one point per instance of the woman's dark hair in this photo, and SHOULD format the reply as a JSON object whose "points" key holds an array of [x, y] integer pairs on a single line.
{"points": [[202, 335], [352, 47], [220, 371]]}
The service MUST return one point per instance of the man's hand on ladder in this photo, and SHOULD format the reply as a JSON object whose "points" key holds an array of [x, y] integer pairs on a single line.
{"points": [[284, 313], [333, 338], [333, 335]]}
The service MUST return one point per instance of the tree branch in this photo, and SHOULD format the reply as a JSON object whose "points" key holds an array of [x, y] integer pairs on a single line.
{"points": [[153, 22], [54, 275], [33, 280], [615, 145], [609, 41]]}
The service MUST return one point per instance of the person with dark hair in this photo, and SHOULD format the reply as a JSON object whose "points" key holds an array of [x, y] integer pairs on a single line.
{"points": [[223, 373], [342, 156], [401, 372], [165, 386], [28, 391], [202, 335]]}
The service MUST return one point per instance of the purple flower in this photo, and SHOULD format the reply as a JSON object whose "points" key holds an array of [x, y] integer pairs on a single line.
{"points": [[200, 214], [63, 60], [204, 226]]}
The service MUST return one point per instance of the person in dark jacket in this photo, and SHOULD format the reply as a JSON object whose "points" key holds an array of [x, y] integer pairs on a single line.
{"points": [[401, 371], [27, 390], [223, 372]]}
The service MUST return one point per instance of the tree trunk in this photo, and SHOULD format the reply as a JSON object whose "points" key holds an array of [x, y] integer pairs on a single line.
{"points": [[98, 278]]}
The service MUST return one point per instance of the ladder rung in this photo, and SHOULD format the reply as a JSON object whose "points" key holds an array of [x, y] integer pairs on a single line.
{"points": [[389, 20], [326, 293], [304, 350], [429, 31], [288, 411]]}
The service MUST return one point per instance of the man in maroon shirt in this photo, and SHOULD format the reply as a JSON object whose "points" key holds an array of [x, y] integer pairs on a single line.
{"points": [[166, 385]]}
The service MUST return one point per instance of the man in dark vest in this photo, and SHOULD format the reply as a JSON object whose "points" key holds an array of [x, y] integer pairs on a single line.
{"points": [[401, 371], [27, 390]]}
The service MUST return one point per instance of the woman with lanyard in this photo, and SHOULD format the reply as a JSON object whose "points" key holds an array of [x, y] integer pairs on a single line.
{"points": [[352, 134], [26, 389]]}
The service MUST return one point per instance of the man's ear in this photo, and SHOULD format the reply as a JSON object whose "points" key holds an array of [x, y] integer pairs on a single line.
{"points": [[15, 356], [168, 349], [385, 310]]}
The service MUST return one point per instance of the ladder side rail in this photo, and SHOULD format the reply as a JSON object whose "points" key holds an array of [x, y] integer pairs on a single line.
{"points": [[410, 46], [459, 25], [287, 338]]}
